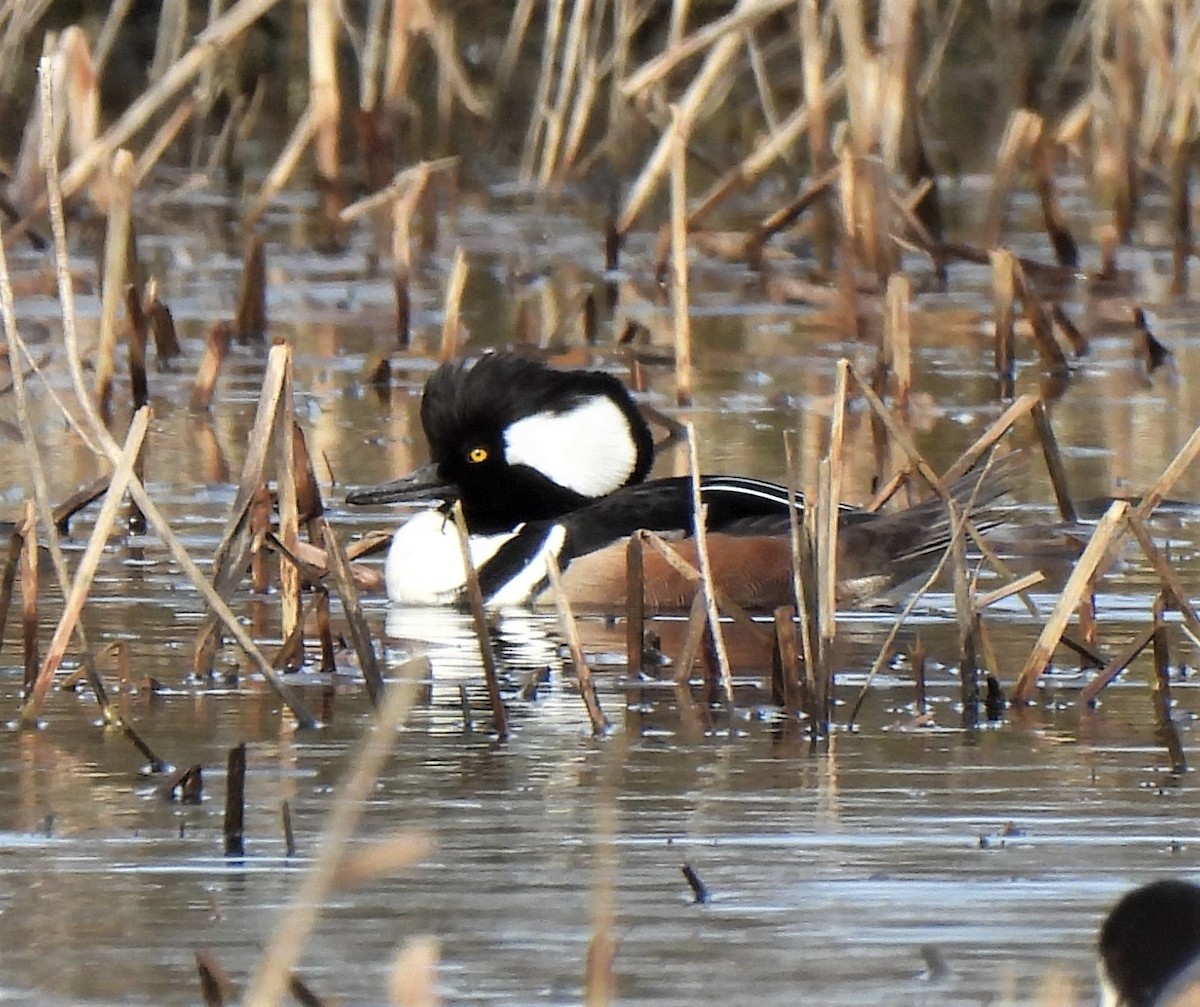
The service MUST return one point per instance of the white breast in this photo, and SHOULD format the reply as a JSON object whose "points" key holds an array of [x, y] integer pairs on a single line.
{"points": [[424, 565]]}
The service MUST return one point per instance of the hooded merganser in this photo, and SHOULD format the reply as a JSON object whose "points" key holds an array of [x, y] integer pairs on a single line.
{"points": [[549, 462], [1146, 944]]}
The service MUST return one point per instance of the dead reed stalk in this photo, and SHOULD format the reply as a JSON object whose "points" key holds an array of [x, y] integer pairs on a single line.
{"points": [[1111, 526], [116, 255], [679, 264], [479, 617], [699, 519], [234, 827], [277, 962], [583, 672], [451, 311], [635, 606], [26, 534], [82, 583]]}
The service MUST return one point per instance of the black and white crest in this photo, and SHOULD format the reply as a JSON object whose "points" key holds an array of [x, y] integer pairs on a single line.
{"points": [[525, 442]]}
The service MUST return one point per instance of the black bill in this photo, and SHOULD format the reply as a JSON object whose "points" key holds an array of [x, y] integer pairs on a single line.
{"points": [[421, 484]]}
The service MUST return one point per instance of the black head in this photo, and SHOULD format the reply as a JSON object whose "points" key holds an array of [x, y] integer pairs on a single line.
{"points": [[1150, 936], [523, 442]]}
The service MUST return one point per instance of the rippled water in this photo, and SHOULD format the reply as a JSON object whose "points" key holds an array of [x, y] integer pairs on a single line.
{"points": [[828, 870]]}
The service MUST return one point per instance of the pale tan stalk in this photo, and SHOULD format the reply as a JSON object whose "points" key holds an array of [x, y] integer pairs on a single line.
{"points": [[66, 296], [116, 255], [270, 981], [451, 311], [86, 571], [324, 97], [210, 43], [573, 47], [281, 170], [1111, 527], [680, 309], [700, 517], [747, 14], [709, 76]]}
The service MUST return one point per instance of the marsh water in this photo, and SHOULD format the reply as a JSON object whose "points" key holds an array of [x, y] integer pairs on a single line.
{"points": [[836, 875]]}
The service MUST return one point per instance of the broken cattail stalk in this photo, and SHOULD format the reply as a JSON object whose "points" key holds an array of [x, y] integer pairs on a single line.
{"points": [[710, 74], [828, 542], [12, 563], [535, 137], [583, 673], [1004, 294], [1070, 331], [27, 532], [215, 351], [139, 331], [163, 137], [325, 101], [101, 437], [294, 925], [568, 64], [635, 606], [216, 987], [289, 835], [700, 533], [162, 328], [61, 515], [1170, 580], [250, 321], [283, 168], [325, 634], [1066, 250], [1118, 664], [1111, 527], [235, 802], [451, 324], [917, 660], [479, 616], [990, 437], [283, 435], [1147, 348], [1031, 579], [1160, 688], [1054, 463], [360, 634], [897, 335], [259, 520], [681, 317], [696, 625], [968, 629], [309, 504], [87, 567], [116, 256], [1019, 133], [788, 686], [1039, 321], [785, 216]]}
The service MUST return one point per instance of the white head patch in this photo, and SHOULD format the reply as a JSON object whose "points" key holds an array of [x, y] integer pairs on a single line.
{"points": [[589, 449]]}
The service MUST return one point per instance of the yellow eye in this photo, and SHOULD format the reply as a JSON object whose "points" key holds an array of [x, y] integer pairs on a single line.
{"points": [[477, 455]]}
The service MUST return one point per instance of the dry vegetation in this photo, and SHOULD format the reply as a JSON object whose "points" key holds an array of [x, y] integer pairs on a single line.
{"points": [[826, 95]]}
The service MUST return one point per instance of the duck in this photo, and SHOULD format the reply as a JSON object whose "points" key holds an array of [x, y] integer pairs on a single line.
{"points": [[1146, 944], [548, 462]]}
